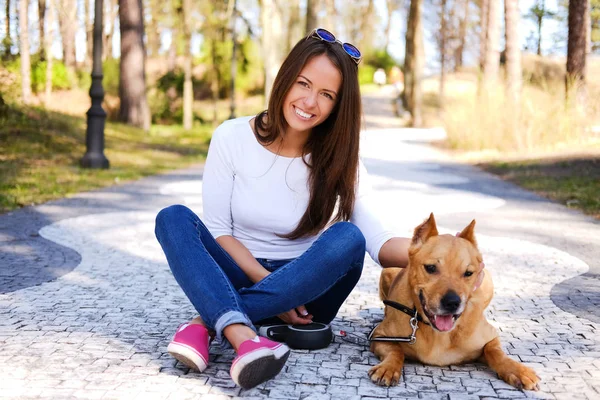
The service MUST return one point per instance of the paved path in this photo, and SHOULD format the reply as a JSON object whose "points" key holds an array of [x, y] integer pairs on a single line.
{"points": [[88, 305]]}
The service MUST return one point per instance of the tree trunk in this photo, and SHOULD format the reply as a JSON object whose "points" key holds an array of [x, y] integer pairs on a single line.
{"points": [[462, 36], [491, 64], [576, 50], [588, 28], [513, 67], [311, 14], [89, 34], [132, 80], [24, 51], [7, 39], [365, 41], [110, 20], [413, 63], [188, 89], [329, 22], [49, 38], [540, 22], [295, 29], [153, 29], [41, 19], [443, 45], [67, 21], [483, 31], [272, 41], [513, 51]]}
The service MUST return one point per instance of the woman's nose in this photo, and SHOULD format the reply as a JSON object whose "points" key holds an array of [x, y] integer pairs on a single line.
{"points": [[310, 100]]}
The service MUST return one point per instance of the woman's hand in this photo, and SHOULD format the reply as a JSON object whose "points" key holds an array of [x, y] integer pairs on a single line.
{"points": [[296, 316]]}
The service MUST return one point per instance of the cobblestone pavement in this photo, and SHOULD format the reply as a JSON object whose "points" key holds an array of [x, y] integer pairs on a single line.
{"points": [[88, 305]]}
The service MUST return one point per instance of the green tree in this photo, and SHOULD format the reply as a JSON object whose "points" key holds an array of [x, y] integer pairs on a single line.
{"points": [[538, 12]]}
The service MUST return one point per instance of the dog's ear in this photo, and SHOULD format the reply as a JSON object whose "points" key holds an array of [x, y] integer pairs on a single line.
{"points": [[469, 233], [423, 232]]}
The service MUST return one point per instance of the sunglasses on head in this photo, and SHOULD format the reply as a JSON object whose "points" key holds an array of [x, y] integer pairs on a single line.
{"points": [[325, 35]]}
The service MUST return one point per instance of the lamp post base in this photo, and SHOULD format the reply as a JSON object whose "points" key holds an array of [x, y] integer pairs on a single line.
{"points": [[94, 161]]}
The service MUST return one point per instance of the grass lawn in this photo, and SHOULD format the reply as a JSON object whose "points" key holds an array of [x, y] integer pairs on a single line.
{"points": [[574, 181], [40, 152]]}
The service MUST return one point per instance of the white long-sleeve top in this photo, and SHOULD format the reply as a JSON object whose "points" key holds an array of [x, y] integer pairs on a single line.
{"points": [[255, 195]]}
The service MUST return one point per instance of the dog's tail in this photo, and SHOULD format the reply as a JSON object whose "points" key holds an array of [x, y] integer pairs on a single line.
{"points": [[388, 275]]}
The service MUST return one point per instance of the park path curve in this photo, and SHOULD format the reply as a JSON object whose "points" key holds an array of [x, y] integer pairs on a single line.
{"points": [[88, 304]]}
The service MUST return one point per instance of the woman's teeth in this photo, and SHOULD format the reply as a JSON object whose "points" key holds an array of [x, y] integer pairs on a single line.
{"points": [[303, 114]]}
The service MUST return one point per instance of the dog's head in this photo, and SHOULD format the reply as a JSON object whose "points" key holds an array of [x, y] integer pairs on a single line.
{"points": [[443, 272]]}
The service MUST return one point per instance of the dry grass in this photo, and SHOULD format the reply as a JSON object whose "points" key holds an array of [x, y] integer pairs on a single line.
{"points": [[543, 122]]}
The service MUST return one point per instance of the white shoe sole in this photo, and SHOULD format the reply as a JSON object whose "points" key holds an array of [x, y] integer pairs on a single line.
{"points": [[259, 366], [188, 356]]}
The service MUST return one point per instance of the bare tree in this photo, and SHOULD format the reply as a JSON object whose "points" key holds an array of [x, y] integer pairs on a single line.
{"points": [[110, 16], [513, 51], [7, 41], [272, 41], [330, 20], [576, 49], [413, 64], [295, 30], [49, 39], [188, 89], [491, 64], [483, 31], [41, 20], [132, 80], [67, 21], [444, 36], [462, 35], [24, 51], [89, 32], [311, 14]]}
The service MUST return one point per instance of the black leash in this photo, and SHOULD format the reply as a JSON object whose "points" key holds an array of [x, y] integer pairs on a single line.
{"points": [[414, 324]]}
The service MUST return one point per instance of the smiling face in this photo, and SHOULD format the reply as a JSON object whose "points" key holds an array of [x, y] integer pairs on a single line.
{"points": [[313, 95]]}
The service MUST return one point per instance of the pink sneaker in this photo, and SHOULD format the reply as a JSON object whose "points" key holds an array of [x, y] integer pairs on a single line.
{"points": [[190, 346], [258, 360]]}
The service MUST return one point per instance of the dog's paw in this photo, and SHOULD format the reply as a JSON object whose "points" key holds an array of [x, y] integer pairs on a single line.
{"points": [[522, 377], [385, 374]]}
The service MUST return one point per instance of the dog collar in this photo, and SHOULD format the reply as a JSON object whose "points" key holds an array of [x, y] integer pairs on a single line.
{"points": [[409, 311], [414, 324]]}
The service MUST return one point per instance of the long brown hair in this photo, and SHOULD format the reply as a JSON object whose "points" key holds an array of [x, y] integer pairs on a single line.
{"points": [[333, 144]]}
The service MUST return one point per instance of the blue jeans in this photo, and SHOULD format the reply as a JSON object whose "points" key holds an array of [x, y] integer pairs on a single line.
{"points": [[321, 278]]}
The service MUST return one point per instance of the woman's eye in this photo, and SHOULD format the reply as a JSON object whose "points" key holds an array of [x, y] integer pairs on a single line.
{"points": [[302, 83], [330, 97], [468, 274], [430, 268]]}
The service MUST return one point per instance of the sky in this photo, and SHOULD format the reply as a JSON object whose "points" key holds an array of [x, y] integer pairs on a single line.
{"points": [[396, 47]]}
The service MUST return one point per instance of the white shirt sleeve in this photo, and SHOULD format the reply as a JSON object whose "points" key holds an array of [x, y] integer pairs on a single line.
{"points": [[365, 218], [218, 177]]}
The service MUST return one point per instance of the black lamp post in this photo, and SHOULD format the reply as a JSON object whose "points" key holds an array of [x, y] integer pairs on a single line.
{"points": [[94, 156]]}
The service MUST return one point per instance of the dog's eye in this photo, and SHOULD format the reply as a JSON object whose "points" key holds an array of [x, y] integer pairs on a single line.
{"points": [[430, 268], [468, 274]]}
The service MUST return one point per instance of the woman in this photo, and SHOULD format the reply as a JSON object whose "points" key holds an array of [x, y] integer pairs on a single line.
{"points": [[278, 192]]}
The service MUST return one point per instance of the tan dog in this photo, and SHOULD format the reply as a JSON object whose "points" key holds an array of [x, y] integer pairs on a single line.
{"points": [[440, 283]]}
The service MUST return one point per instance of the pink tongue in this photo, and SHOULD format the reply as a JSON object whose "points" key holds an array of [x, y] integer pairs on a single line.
{"points": [[443, 322]]}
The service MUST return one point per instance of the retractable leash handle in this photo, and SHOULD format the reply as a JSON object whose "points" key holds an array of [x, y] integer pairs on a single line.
{"points": [[307, 337]]}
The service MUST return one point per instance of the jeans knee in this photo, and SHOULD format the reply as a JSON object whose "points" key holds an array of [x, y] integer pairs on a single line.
{"points": [[351, 236], [171, 215]]}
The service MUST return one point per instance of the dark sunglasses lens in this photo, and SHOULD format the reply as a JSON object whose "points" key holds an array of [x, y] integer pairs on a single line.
{"points": [[353, 51], [326, 35]]}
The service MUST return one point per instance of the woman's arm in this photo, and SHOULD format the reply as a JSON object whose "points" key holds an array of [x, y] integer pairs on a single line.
{"points": [[394, 252], [242, 256]]}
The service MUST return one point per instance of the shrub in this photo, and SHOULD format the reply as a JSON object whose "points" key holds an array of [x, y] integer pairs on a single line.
{"points": [[60, 76]]}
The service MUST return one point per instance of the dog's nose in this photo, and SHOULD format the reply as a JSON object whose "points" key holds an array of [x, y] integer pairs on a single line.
{"points": [[451, 302]]}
